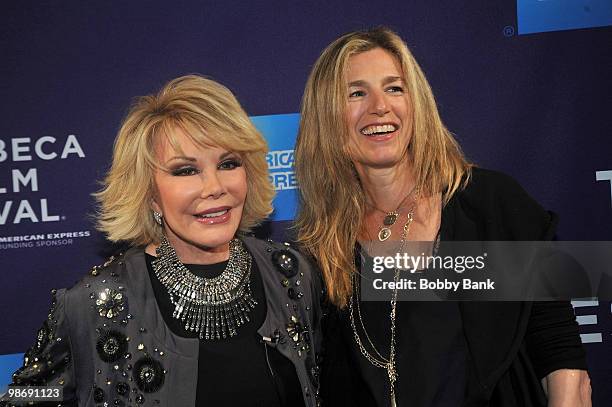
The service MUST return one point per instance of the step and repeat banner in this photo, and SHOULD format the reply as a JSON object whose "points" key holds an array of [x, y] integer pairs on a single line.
{"points": [[524, 85]]}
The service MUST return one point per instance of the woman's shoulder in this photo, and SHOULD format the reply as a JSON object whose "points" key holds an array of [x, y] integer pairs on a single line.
{"points": [[277, 253], [501, 200], [280, 254], [489, 187], [103, 289], [486, 182], [283, 262]]}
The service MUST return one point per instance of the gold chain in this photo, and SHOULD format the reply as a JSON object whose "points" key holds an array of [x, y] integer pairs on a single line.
{"points": [[378, 360], [413, 190], [384, 230]]}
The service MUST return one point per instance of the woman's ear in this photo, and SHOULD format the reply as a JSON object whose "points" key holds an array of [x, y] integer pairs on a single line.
{"points": [[155, 206], [154, 197]]}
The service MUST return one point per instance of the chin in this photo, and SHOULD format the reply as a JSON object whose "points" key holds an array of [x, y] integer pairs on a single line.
{"points": [[208, 245], [383, 162], [217, 241], [212, 237]]}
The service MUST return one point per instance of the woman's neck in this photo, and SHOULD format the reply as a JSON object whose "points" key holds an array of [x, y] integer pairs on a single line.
{"points": [[189, 254], [386, 188]]}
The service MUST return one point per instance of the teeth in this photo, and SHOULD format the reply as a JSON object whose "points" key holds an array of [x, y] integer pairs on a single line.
{"points": [[386, 128], [213, 214]]}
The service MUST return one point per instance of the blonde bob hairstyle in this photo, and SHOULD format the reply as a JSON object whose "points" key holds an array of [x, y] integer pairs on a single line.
{"points": [[209, 114], [332, 200]]}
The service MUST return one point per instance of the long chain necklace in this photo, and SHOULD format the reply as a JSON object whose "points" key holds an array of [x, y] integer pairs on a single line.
{"points": [[384, 231], [213, 307], [378, 360]]}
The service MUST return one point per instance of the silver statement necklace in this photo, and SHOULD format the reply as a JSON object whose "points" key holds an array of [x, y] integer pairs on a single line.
{"points": [[213, 307]]}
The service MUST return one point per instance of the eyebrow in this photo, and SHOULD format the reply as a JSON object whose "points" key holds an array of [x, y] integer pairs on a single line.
{"points": [[192, 159], [391, 79], [182, 157], [387, 80]]}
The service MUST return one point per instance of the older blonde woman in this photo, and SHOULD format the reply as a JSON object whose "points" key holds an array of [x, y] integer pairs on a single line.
{"points": [[375, 163], [195, 312]]}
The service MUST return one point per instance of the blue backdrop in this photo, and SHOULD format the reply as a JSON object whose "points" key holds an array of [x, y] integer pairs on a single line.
{"points": [[524, 84]]}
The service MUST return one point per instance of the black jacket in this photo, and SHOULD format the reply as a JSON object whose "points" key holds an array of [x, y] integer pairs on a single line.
{"points": [[509, 351]]}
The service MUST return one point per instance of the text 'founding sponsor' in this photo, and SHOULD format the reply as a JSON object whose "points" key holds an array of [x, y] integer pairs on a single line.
{"points": [[280, 165], [41, 239], [25, 149]]}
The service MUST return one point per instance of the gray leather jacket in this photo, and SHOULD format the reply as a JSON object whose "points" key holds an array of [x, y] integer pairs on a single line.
{"points": [[105, 340]]}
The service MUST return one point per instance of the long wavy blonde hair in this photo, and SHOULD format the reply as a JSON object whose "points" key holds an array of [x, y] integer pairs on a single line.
{"points": [[332, 199]]}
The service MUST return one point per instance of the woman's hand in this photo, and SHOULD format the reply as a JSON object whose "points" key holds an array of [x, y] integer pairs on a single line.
{"points": [[568, 388]]}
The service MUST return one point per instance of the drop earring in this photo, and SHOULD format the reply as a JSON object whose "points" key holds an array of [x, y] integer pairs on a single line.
{"points": [[158, 217]]}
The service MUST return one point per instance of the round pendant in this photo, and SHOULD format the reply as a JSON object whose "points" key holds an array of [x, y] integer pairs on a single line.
{"points": [[384, 234], [390, 219]]}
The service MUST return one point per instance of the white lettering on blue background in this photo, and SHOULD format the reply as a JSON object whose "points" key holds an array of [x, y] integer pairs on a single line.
{"points": [[280, 159]]}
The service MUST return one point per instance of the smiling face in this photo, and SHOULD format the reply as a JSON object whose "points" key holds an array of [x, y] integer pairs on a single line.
{"points": [[378, 110], [200, 193]]}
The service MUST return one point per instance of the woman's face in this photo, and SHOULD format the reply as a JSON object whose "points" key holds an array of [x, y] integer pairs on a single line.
{"points": [[200, 195], [378, 110]]}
